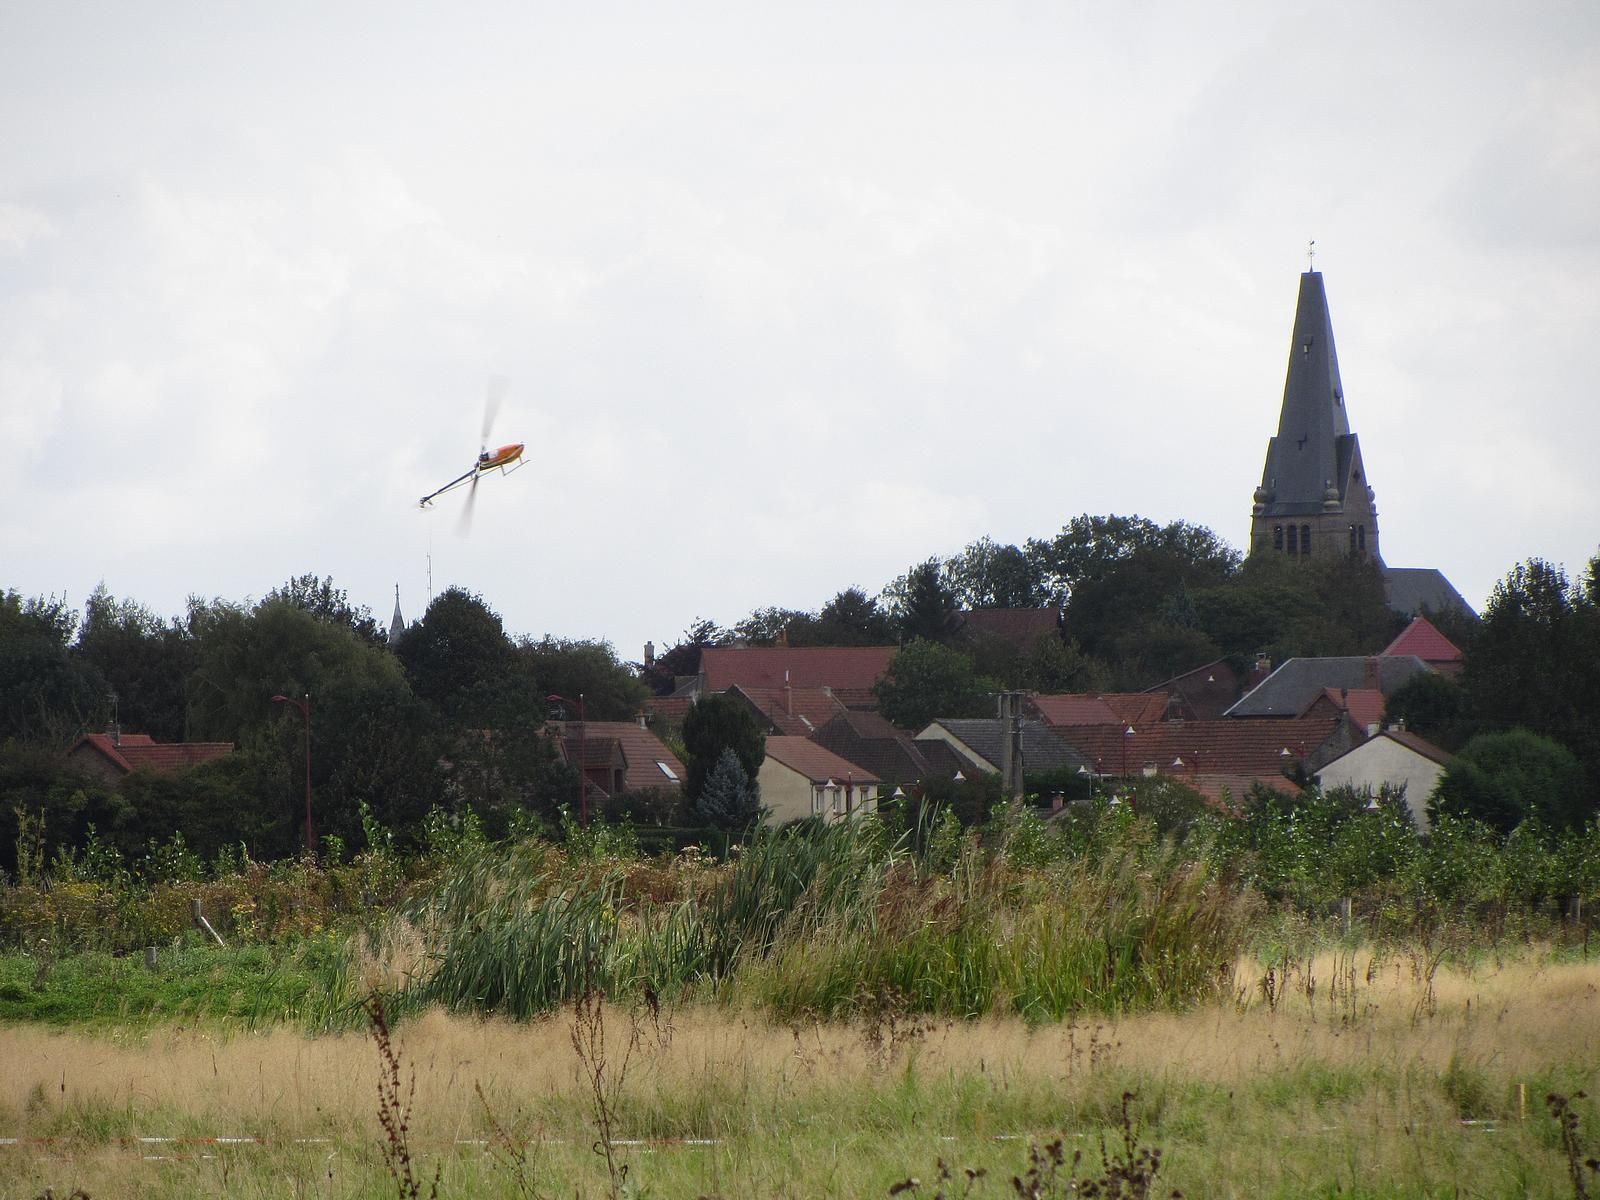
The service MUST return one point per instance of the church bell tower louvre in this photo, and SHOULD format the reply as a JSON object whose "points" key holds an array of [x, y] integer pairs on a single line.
{"points": [[1314, 498]]}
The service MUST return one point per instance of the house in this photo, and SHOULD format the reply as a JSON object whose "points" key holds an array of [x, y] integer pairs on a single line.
{"points": [[1394, 758], [981, 741], [1293, 686], [1102, 708], [618, 756], [112, 755], [1206, 692], [799, 711], [1363, 705], [848, 671], [870, 741], [1019, 628], [1211, 755], [800, 779], [1423, 640]]}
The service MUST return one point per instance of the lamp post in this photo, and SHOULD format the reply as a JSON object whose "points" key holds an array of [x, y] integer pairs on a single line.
{"points": [[583, 764], [304, 705]]}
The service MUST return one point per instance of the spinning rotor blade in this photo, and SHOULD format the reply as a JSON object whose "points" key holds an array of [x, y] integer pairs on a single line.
{"points": [[463, 525], [498, 386]]}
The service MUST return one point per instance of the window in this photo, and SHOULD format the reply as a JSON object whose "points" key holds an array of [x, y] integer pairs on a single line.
{"points": [[1294, 545], [1277, 537], [1352, 539], [667, 771], [1305, 539], [1361, 537]]}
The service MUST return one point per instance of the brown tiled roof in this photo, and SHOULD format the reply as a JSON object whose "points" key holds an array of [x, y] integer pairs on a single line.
{"points": [[1421, 745], [141, 752], [1207, 691], [1424, 640], [800, 711], [1226, 746], [816, 763], [872, 742], [799, 666], [1100, 708], [1022, 627], [640, 750], [671, 709]]}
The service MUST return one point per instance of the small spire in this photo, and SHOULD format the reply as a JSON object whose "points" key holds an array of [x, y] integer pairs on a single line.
{"points": [[1311, 255]]}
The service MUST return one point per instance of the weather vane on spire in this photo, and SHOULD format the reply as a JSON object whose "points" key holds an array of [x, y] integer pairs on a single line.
{"points": [[1311, 255]]}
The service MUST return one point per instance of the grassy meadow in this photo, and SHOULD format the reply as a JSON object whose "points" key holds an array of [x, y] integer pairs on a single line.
{"points": [[1345, 1074], [1103, 1008]]}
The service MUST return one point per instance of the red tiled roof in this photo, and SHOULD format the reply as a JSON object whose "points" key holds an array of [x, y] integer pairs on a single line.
{"points": [[1101, 708], [141, 752], [1365, 705], [668, 708], [799, 666], [1426, 642], [816, 763], [1224, 746], [641, 750], [793, 710]]}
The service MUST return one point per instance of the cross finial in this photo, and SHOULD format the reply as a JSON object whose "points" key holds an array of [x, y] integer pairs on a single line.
{"points": [[1311, 255]]}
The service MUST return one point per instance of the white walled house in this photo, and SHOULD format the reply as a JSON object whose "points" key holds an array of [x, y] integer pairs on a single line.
{"points": [[800, 779], [1393, 758]]}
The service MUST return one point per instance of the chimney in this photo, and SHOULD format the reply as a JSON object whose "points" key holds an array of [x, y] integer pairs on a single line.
{"points": [[644, 719], [1262, 668], [649, 654], [788, 694], [1374, 676]]}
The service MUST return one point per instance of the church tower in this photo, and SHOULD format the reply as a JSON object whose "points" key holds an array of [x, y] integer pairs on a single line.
{"points": [[1314, 499]]}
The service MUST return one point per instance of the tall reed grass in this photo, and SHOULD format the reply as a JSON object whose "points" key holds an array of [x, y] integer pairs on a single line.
{"points": [[820, 920]]}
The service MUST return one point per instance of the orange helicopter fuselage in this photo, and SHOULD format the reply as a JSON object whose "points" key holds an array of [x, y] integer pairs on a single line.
{"points": [[502, 457]]}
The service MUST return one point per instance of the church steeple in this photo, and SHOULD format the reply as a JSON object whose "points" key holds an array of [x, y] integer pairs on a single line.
{"points": [[1314, 497]]}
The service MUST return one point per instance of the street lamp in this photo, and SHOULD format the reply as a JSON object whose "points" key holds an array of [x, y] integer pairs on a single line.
{"points": [[304, 705], [583, 762]]}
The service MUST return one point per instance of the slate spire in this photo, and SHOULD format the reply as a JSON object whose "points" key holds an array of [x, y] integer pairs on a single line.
{"points": [[1314, 496]]}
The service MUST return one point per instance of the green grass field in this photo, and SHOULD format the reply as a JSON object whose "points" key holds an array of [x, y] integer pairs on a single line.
{"points": [[1347, 1075]]}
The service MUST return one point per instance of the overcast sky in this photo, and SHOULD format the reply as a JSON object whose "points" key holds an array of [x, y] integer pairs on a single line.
{"points": [[790, 297]]}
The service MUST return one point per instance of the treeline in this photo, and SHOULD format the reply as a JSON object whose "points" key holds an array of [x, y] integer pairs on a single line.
{"points": [[449, 718]]}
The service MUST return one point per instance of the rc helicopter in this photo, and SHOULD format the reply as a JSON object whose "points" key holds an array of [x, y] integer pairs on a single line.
{"points": [[505, 459]]}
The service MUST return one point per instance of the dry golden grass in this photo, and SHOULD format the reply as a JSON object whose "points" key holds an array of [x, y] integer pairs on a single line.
{"points": [[1341, 1059]]}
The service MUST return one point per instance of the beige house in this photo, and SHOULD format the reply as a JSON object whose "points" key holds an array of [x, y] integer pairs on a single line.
{"points": [[1393, 758], [800, 779]]}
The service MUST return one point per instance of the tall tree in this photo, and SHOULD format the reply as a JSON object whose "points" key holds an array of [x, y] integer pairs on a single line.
{"points": [[989, 575], [610, 691], [145, 660], [322, 599], [922, 604], [716, 723], [458, 654], [926, 680], [730, 800], [46, 694]]}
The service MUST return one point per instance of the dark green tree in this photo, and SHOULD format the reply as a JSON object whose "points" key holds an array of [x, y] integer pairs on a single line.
{"points": [[457, 653], [145, 660], [1505, 778], [46, 694], [922, 604], [1433, 706], [716, 723], [323, 600], [683, 657], [573, 668], [926, 680], [730, 800], [851, 618], [1535, 662], [989, 575]]}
